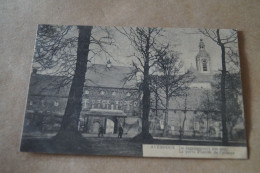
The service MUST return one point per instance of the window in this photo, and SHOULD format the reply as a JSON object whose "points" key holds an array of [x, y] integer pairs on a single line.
{"points": [[104, 104], [196, 126], [204, 65], [98, 104], [128, 94], [117, 102], [102, 92], [93, 104], [31, 103], [56, 103], [86, 92], [43, 102], [113, 93], [86, 102], [108, 104], [128, 105]]}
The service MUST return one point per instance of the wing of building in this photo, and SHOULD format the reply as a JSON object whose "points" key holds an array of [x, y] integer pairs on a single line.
{"points": [[109, 100]]}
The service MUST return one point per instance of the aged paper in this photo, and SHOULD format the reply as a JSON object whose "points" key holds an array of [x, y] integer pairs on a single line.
{"points": [[129, 91]]}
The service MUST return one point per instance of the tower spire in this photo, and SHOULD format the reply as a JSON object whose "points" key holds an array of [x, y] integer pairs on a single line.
{"points": [[109, 64], [201, 44], [202, 59]]}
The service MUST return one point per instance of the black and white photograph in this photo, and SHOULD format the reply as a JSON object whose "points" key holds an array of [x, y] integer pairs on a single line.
{"points": [[135, 91]]}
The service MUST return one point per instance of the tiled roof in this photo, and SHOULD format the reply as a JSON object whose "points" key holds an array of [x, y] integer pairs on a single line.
{"points": [[193, 100], [102, 76], [202, 53], [47, 85], [105, 112], [97, 75]]}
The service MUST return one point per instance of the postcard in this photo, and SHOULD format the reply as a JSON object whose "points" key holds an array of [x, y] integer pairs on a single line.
{"points": [[135, 91]]}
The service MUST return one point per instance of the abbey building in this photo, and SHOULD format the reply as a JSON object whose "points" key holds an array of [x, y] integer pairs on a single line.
{"points": [[110, 101]]}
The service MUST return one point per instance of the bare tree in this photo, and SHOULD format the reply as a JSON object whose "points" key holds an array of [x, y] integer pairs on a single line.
{"points": [[59, 51], [233, 100], [148, 47], [184, 119], [172, 82], [223, 40], [208, 106]]}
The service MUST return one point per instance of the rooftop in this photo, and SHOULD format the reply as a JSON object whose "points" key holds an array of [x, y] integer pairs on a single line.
{"points": [[98, 75]]}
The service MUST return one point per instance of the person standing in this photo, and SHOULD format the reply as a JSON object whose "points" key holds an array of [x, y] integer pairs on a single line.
{"points": [[100, 131], [120, 132]]}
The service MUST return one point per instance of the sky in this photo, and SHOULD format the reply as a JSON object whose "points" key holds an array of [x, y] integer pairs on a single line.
{"points": [[185, 41]]}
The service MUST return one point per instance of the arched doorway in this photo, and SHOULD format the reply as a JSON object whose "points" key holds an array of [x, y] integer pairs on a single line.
{"points": [[96, 126], [110, 126]]}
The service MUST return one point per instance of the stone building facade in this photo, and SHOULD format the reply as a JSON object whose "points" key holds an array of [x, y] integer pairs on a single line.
{"points": [[185, 112], [108, 100]]}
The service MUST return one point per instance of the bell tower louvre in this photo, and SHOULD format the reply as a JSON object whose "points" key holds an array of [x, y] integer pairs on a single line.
{"points": [[203, 63]]}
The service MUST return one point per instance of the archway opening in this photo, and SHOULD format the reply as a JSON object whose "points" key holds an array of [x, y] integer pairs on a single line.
{"points": [[110, 126], [96, 126]]}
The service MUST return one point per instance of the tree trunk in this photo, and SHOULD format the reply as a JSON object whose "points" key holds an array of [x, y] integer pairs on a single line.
{"points": [[166, 116], [145, 135], [183, 123], [146, 102], [208, 124], [223, 99], [69, 126], [231, 131], [223, 92], [185, 112]]}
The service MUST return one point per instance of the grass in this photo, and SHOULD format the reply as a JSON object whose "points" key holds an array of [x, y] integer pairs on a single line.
{"points": [[102, 146], [89, 146]]}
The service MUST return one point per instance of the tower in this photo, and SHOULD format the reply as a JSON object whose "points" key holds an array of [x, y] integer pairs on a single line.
{"points": [[203, 59], [109, 64]]}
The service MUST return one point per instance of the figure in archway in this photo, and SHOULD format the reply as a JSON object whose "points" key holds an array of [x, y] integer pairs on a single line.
{"points": [[120, 131], [101, 131]]}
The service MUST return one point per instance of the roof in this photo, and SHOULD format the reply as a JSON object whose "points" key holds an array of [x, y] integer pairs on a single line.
{"points": [[201, 77], [193, 100], [202, 50], [114, 76], [105, 112], [98, 75], [202, 53], [48, 85]]}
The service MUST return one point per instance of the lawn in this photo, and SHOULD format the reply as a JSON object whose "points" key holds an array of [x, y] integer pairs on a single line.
{"points": [[103, 146]]}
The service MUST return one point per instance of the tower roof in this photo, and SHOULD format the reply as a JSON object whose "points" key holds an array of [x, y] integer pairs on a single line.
{"points": [[202, 50], [201, 45]]}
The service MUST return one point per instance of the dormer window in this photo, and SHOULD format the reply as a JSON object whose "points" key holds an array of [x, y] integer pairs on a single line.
{"points": [[128, 94], [56, 103], [204, 65], [86, 92], [102, 92]]}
